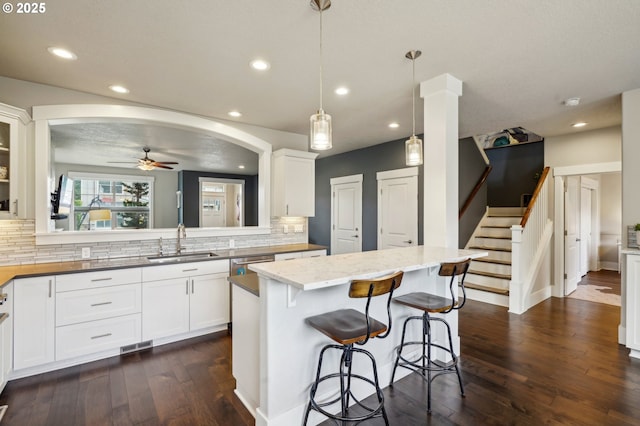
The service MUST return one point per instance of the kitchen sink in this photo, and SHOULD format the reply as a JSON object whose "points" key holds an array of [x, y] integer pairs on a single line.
{"points": [[186, 257]]}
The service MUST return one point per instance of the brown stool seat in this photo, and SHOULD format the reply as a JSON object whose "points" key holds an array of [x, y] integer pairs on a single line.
{"points": [[426, 302], [346, 326]]}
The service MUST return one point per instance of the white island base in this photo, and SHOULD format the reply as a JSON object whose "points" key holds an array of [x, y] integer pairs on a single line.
{"points": [[287, 349]]}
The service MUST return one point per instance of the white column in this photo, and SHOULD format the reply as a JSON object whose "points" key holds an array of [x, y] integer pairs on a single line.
{"points": [[441, 160]]}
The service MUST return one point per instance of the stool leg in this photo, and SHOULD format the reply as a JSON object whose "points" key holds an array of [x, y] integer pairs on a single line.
{"points": [[314, 386], [454, 357], [399, 351], [427, 324]]}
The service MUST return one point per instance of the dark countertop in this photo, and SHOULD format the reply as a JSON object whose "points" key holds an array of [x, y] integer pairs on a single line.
{"points": [[249, 282], [7, 273]]}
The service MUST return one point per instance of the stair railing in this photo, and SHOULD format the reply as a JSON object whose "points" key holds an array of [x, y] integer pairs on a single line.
{"points": [[475, 190], [526, 240]]}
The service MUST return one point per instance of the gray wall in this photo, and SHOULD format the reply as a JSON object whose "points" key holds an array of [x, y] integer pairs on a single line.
{"points": [[471, 167], [514, 168], [366, 161]]}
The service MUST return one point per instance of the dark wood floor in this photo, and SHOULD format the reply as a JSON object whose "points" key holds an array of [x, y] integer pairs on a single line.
{"points": [[558, 364], [603, 278]]}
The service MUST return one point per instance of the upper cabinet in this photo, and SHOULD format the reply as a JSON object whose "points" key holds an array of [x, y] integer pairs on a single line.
{"points": [[13, 130], [293, 183]]}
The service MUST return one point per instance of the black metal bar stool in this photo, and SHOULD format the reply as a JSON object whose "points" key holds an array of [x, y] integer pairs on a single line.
{"points": [[431, 304], [348, 327]]}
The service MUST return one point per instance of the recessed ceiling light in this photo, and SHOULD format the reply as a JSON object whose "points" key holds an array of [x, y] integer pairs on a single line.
{"points": [[235, 114], [119, 89], [260, 65], [342, 91], [241, 166], [579, 124], [572, 101], [394, 125], [62, 53]]}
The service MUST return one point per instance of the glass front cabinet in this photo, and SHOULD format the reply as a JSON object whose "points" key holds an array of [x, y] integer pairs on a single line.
{"points": [[13, 129]]}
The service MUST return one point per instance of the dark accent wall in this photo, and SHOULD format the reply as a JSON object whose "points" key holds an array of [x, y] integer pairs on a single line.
{"points": [[189, 184], [471, 167], [514, 168], [366, 161]]}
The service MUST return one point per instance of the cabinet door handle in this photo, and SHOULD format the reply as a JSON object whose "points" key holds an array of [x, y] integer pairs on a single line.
{"points": [[190, 270], [15, 210], [50, 285], [101, 279], [101, 304], [192, 290], [100, 336], [187, 287], [287, 210]]}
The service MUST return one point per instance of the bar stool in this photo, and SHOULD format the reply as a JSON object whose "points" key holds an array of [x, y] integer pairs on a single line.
{"points": [[430, 304], [348, 327]]}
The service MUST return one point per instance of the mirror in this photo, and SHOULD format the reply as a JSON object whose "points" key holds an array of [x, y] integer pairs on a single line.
{"points": [[108, 149]]}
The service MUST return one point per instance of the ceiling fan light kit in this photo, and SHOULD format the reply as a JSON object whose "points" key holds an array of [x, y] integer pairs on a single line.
{"points": [[148, 164]]}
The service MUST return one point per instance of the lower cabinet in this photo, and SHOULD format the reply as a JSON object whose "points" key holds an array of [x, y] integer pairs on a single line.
{"points": [[34, 321], [6, 333], [192, 297]]}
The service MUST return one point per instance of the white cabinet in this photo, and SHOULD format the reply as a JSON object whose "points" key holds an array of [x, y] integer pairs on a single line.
{"points": [[632, 282], [34, 321], [97, 311], [293, 183], [6, 333], [13, 186], [182, 298], [300, 254]]}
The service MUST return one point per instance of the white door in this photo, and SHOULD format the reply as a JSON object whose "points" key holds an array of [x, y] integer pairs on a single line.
{"points": [[214, 211], [571, 232], [585, 230], [398, 208], [346, 214]]}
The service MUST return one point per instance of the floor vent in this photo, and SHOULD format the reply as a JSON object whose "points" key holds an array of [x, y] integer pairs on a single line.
{"points": [[136, 347]]}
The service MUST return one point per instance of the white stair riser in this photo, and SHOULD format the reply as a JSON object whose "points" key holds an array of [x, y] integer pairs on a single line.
{"points": [[487, 297], [488, 281], [501, 221], [496, 232], [492, 242], [495, 268]]}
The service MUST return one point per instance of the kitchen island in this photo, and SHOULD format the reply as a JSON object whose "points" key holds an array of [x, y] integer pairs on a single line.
{"points": [[287, 348]]}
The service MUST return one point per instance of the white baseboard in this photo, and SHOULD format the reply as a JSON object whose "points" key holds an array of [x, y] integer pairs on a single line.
{"points": [[609, 266]]}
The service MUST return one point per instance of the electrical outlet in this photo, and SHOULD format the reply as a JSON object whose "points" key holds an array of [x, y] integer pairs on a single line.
{"points": [[285, 229], [232, 243], [86, 252], [297, 228]]}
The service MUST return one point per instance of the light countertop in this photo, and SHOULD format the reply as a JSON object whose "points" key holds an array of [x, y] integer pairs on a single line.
{"points": [[327, 271]]}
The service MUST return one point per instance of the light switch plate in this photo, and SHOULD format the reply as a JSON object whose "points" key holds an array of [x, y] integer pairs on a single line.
{"points": [[298, 228], [285, 229], [86, 252]]}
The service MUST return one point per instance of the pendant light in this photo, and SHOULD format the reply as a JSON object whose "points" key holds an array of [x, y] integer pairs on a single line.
{"points": [[320, 123], [413, 145]]}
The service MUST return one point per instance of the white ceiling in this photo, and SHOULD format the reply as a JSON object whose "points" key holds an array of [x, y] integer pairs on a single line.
{"points": [[518, 59]]}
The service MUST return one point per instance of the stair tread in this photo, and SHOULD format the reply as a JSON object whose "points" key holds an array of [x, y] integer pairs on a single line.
{"points": [[489, 260], [496, 226], [486, 288], [489, 248], [490, 274], [495, 238]]}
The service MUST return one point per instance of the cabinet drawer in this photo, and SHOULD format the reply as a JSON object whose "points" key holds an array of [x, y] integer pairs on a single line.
{"points": [[166, 272], [85, 280], [96, 336], [97, 303]]}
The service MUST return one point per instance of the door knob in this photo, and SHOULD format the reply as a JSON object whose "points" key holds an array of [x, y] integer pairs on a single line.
{"points": [[408, 241], [354, 236]]}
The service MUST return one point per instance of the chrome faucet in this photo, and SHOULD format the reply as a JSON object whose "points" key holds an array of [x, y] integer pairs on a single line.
{"points": [[182, 233]]}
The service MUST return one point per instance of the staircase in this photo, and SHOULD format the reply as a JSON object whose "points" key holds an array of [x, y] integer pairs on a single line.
{"points": [[488, 277]]}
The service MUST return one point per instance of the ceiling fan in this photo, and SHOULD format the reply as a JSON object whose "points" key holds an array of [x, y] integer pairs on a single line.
{"points": [[147, 163]]}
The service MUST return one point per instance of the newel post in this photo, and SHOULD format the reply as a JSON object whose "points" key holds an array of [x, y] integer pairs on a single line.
{"points": [[515, 285]]}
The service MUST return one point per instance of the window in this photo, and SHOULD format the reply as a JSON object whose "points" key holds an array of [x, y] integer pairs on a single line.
{"points": [[128, 199]]}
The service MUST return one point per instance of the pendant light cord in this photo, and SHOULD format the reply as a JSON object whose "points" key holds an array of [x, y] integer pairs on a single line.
{"points": [[321, 59], [413, 95]]}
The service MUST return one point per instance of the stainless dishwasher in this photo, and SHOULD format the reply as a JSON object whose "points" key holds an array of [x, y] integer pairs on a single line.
{"points": [[240, 265]]}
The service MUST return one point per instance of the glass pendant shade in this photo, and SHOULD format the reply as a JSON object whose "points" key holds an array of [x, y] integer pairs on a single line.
{"points": [[413, 151], [320, 131]]}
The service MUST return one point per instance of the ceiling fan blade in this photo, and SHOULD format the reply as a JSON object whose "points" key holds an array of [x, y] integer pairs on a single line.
{"points": [[162, 167], [164, 162]]}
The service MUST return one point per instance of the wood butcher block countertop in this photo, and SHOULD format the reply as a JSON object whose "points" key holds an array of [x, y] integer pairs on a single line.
{"points": [[8, 273]]}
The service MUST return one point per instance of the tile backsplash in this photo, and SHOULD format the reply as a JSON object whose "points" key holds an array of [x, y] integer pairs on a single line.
{"points": [[17, 243]]}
